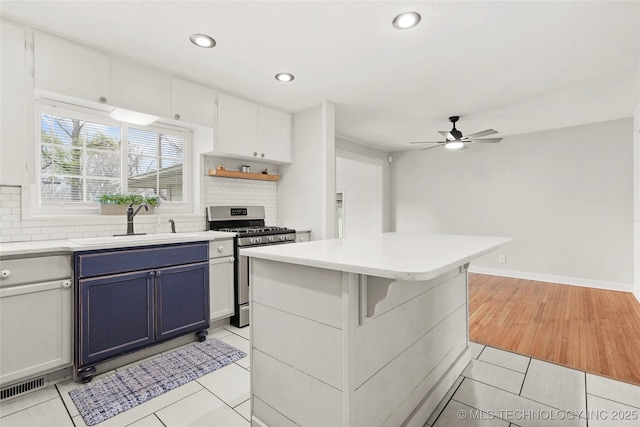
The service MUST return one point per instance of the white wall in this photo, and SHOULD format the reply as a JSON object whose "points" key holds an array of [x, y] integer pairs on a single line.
{"points": [[636, 198], [361, 180], [345, 145], [565, 196], [306, 190]]}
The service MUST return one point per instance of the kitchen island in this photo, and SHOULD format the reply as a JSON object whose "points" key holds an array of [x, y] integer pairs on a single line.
{"points": [[361, 332]]}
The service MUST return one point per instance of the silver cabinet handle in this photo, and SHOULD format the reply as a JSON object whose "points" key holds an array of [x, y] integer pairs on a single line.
{"points": [[177, 117], [5, 274], [232, 259], [220, 249], [262, 155], [66, 283], [102, 100], [255, 154]]}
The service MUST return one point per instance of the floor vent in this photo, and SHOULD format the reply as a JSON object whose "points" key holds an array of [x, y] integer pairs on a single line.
{"points": [[22, 388]]}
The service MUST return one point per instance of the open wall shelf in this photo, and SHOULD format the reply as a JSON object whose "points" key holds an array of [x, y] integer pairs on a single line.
{"points": [[242, 175]]}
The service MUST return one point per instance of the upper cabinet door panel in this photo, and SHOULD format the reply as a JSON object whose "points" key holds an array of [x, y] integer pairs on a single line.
{"points": [[13, 103], [275, 135], [237, 126], [71, 69], [192, 103], [140, 88]]}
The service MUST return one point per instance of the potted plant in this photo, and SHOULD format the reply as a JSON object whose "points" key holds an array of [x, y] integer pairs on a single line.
{"points": [[117, 203]]}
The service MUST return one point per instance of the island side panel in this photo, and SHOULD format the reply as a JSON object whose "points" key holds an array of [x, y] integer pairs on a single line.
{"points": [[296, 343], [405, 358]]}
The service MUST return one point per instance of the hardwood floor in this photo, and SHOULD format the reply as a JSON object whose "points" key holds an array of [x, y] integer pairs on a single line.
{"points": [[592, 330]]}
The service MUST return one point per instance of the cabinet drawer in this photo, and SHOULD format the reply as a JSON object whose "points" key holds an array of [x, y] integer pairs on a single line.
{"points": [[221, 248], [38, 269], [99, 263]]}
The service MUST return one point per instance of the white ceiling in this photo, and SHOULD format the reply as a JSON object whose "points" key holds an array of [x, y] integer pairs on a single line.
{"points": [[513, 66]]}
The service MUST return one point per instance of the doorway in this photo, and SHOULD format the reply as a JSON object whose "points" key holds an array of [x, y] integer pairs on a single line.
{"points": [[359, 198]]}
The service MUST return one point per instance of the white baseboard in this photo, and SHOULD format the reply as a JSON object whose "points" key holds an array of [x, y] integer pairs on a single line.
{"points": [[563, 280], [636, 293]]}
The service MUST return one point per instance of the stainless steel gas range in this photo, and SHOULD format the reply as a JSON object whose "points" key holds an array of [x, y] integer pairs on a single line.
{"points": [[248, 222]]}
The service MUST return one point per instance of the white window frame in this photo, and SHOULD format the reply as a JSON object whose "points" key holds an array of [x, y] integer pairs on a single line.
{"points": [[38, 208]]}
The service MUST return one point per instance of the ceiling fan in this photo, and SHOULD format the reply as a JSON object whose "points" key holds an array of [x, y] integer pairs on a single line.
{"points": [[454, 140]]}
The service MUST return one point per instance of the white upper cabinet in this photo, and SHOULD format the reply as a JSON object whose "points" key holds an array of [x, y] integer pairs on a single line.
{"points": [[192, 103], [68, 68], [249, 130], [274, 135], [237, 126], [12, 105], [140, 88]]}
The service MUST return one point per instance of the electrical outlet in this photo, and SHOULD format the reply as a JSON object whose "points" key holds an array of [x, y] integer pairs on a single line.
{"points": [[502, 259]]}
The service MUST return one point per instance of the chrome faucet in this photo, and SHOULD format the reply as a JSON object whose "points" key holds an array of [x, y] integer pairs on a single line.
{"points": [[173, 225], [131, 213]]}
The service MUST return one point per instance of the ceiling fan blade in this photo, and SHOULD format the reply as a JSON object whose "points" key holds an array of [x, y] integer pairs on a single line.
{"points": [[427, 142], [429, 148], [447, 135], [490, 140], [483, 133]]}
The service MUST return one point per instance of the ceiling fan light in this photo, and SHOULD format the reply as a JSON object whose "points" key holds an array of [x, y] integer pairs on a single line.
{"points": [[406, 20], [454, 145]]}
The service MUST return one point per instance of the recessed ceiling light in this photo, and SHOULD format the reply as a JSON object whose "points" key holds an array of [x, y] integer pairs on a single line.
{"points": [[284, 77], [406, 20], [202, 40]]}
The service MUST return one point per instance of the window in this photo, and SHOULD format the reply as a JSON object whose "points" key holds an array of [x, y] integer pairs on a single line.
{"points": [[84, 155]]}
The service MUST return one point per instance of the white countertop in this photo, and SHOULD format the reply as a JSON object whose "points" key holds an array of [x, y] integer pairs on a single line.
{"points": [[93, 243], [402, 256]]}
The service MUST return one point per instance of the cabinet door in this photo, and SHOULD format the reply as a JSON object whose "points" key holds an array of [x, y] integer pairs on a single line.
{"points": [[65, 67], [140, 88], [182, 300], [12, 105], [115, 315], [237, 127], [221, 276], [35, 325], [274, 135], [192, 103]]}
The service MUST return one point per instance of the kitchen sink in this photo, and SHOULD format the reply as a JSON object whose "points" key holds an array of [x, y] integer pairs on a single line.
{"points": [[131, 238]]}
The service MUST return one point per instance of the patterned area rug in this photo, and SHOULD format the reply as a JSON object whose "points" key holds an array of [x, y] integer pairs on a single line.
{"points": [[111, 395]]}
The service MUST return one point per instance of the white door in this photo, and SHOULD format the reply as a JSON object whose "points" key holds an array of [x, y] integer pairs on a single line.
{"points": [[361, 179]]}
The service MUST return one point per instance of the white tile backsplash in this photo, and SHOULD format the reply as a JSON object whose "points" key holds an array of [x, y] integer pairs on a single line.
{"points": [[232, 191], [14, 229]]}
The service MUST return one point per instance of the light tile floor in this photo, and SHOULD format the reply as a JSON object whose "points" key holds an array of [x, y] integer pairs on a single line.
{"points": [[497, 389]]}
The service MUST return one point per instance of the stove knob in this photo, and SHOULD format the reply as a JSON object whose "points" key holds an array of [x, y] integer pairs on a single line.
{"points": [[283, 237], [252, 240], [259, 239], [271, 238]]}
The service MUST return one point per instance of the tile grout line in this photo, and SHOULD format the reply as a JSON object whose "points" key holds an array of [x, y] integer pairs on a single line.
{"points": [[450, 399], [504, 367], [64, 403], [525, 378], [586, 400], [614, 401]]}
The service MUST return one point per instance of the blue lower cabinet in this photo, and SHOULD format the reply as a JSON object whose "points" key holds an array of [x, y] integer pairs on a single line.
{"points": [[117, 315], [120, 313], [182, 299]]}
